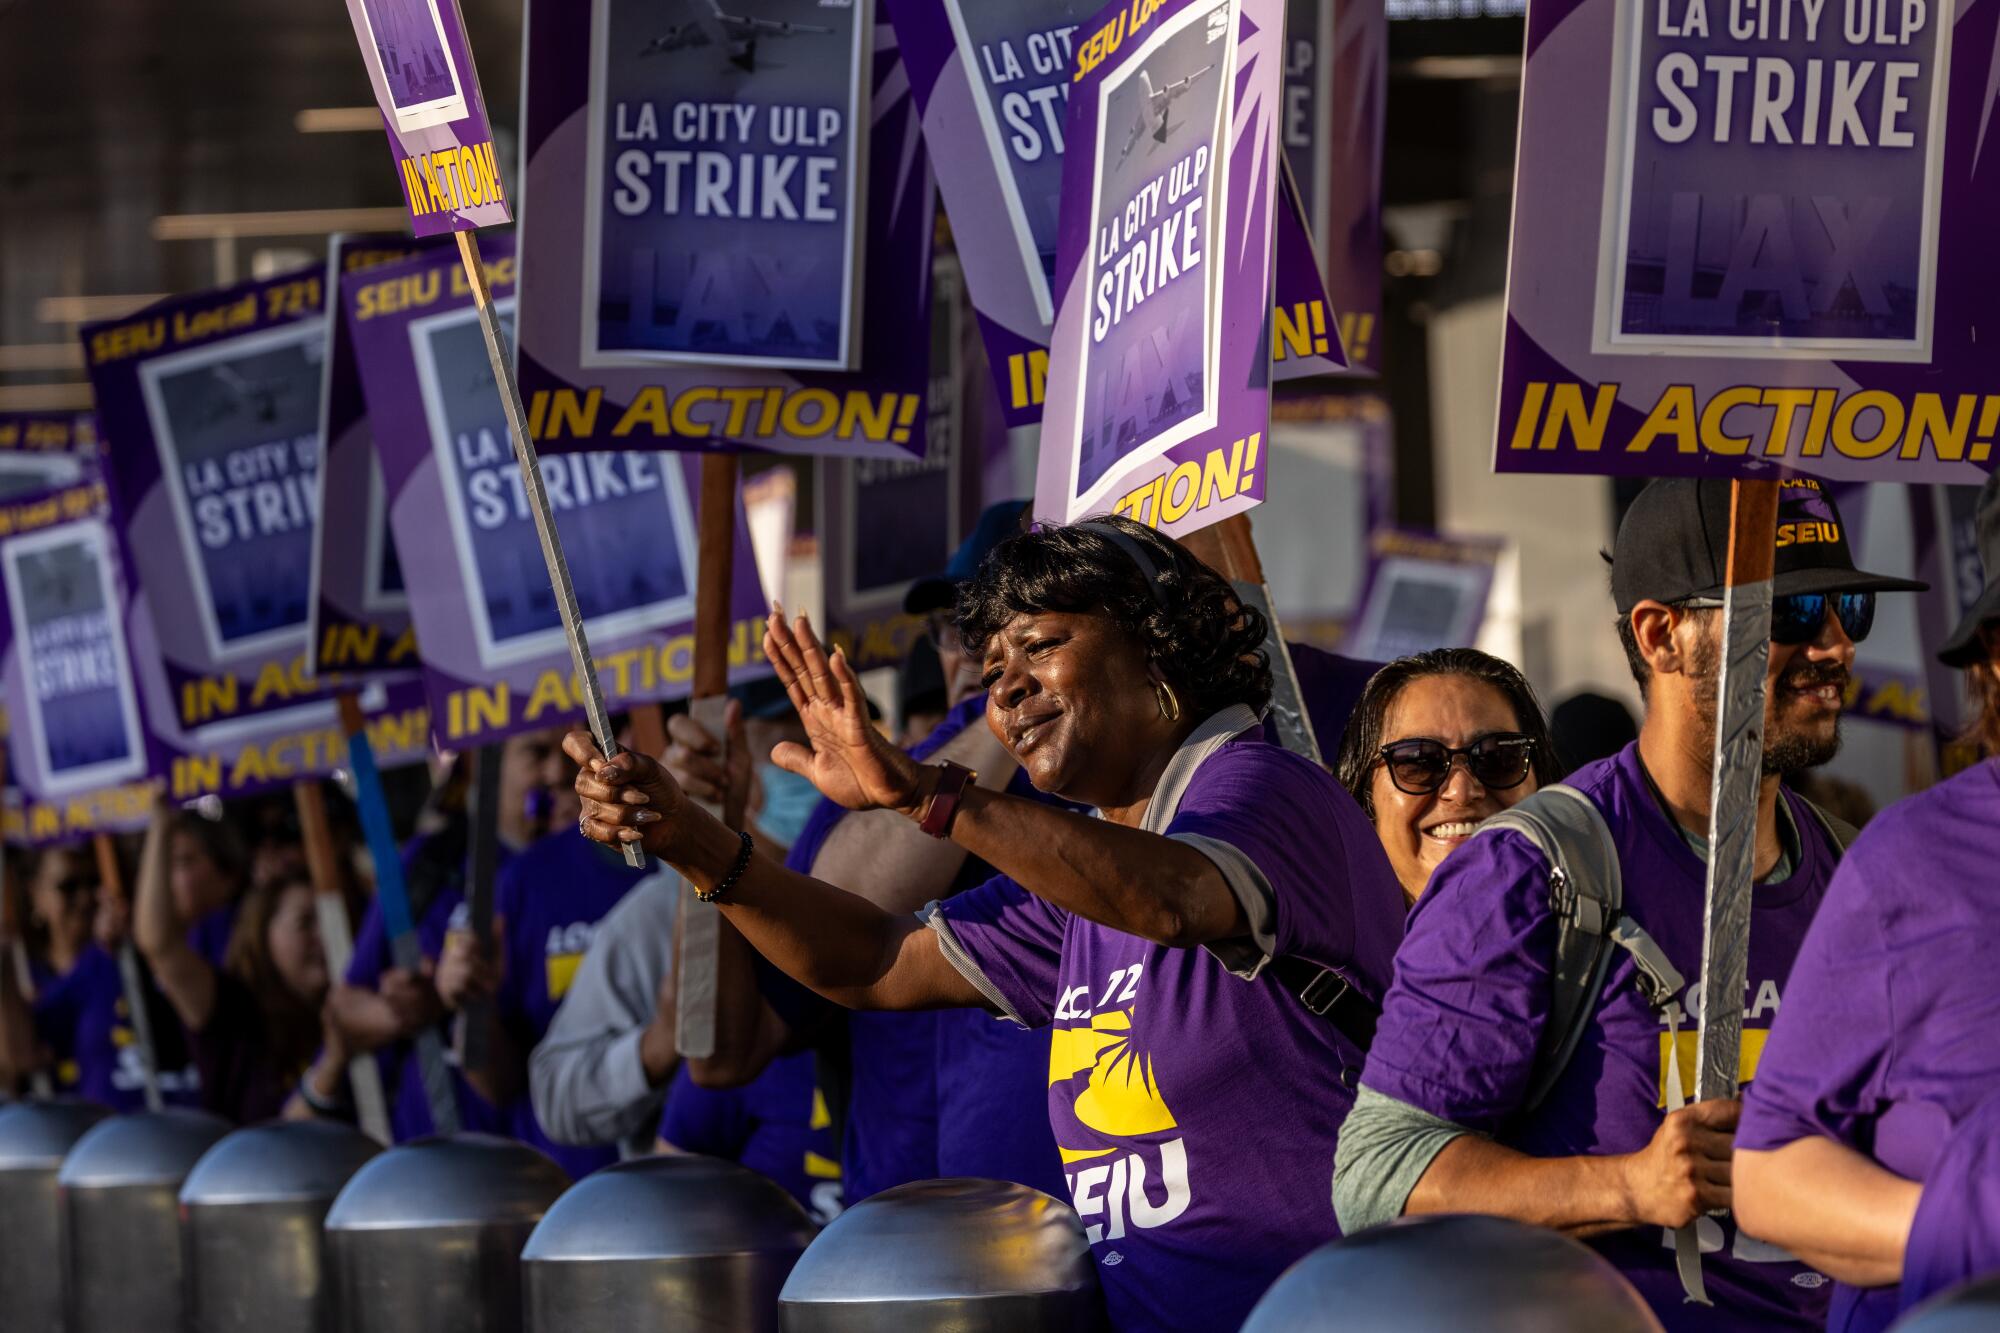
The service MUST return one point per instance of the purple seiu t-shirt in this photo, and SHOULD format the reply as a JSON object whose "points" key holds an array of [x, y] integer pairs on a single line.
{"points": [[409, 1111], [1955, 1236], [1887, 1037], [209, 936], [83, 1019], [777, 1125], [1462, 1024], [552, 896], [934, 1094], [1195, 1101]]}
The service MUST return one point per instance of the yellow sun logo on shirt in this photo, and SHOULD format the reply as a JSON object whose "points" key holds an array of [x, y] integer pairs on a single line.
{"points": [[1121, 1098]]}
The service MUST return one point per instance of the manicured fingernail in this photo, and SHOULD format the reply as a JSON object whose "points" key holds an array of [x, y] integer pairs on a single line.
{"points": [[629, 835], [647, 816]]}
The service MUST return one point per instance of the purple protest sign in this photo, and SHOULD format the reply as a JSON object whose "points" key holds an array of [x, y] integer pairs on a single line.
{"points": [[42, 451], [420, 67], [214, 400], [710, 195], [360, 626], [992, 78], [1424, 591], [1336, 90], [77, 744], [495, 659], [1160, 368], [1723, 276], [882, 524]]}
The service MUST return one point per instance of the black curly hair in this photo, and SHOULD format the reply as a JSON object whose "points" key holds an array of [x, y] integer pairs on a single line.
{"points": [[1207, 644]]}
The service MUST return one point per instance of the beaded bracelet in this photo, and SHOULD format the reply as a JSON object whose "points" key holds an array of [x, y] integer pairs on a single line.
{"points": [[728, 881]]}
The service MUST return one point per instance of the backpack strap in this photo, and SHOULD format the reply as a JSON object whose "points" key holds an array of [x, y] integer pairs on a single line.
{"points": [[1842, 832], [1331, 996]]}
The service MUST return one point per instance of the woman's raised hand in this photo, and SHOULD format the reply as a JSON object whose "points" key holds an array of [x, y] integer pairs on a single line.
{"points": [[848, 760], [628, 799]]}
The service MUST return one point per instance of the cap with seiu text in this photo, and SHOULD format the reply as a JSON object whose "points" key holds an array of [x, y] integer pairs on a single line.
{"points": [[1963, 648], [1674, 544]]}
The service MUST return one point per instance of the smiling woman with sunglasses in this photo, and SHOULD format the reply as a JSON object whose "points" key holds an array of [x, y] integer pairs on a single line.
{"points": [[1440, 741]]}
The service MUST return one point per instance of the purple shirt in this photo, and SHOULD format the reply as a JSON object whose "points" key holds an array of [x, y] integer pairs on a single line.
{"points": [[552, 896], [1461, 1026], [209, 936], [777, 1125], [1955, 1235], [83, 1019], [402, 1080], [1194, 1100], [1887, 1042]]}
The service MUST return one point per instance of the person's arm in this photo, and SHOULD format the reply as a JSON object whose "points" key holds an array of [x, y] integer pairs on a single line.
{"points": [[597, 1074], [1835, 1209], [1125, 878], [887, 859], [183, 975], [465, 975]]}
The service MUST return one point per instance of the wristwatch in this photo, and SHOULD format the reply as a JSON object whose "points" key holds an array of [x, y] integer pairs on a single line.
{"points": [[942, 807]]}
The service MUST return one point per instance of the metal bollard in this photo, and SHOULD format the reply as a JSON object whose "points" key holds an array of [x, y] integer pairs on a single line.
{"points": [[427, 1237], [34, 1139], [251, 1215], [1445, 1274], [664, 1243], [947, 1256], [120, 1189]]}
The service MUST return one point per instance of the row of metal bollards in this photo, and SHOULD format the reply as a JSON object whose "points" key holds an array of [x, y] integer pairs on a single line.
{"points": [[169, 1221]]}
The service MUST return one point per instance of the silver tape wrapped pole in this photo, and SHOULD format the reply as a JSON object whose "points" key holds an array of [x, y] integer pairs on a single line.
{"points": [[1288, 705], [133, 982], [501, 357], [1732, 827]]}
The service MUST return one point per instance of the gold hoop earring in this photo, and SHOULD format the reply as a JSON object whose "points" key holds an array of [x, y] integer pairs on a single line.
{"points": [[1170, 704]]}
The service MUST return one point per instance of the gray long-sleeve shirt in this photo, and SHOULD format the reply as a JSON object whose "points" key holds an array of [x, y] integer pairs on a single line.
{"points": [[588, 1083]]}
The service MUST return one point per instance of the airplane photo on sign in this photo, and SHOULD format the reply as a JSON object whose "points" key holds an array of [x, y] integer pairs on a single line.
{"points": [[1159, 102], [739, 32]]}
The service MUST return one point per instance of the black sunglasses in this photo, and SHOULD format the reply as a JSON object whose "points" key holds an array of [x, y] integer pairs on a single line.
{"points": [[1499, 761], [1796, 617]]}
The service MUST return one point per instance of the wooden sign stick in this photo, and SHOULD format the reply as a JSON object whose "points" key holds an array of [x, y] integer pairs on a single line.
{"points": [[112, 879], [701, 924], [1732, 810], [1230, 550], [336, 937], [23, 978], [501, 358]]}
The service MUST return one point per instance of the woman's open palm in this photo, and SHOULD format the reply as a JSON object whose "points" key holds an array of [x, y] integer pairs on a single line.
{"points": [[848, 760]]}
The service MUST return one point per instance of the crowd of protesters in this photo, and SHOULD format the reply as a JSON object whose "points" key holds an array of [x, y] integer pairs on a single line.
{"points": [[1083, 924]]}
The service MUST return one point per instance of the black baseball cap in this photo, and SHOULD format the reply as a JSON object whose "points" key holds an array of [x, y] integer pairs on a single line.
{"points": [[996, 524], [1674, 544], [1963, 647]]}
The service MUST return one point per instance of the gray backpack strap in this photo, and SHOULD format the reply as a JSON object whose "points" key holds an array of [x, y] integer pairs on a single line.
{"points": [[1842, 832], [1586, 897]]}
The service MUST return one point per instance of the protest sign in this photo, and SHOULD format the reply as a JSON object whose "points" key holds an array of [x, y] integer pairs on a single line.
{"points": [[1160, 368], [42, 451], [495, 659], [1424, 591], [1752, 238], [421, 70], [710, 195], [883, 524], [1336, 91], [215, 401], [77, 747], [360, 627], [993, 81]]}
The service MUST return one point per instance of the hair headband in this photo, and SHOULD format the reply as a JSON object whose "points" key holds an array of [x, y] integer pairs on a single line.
{"points": [[1147, 568]]}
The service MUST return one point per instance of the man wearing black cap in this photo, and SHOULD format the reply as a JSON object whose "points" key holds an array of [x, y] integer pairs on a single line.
{"points": [[1465, 1105]]}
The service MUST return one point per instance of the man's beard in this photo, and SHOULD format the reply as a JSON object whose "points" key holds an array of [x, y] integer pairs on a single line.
{"points": [[1786, 749]]}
